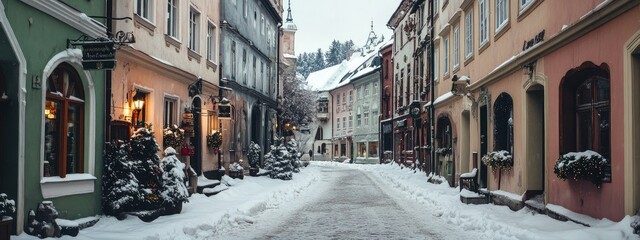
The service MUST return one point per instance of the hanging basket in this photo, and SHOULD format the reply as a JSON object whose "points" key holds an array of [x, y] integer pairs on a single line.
{"points": [[187, 151]]}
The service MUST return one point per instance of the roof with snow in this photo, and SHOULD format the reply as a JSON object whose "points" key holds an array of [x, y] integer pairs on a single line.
{"points": [[359, 64]]}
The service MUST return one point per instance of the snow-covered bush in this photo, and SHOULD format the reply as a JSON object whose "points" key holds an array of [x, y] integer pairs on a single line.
{"points": [[173, 190], [173, 137], [7, 206], [120, 186], [254, 155], [498, 160], [278, 162], [587, 165], [146, 167], [236, 166], [292, 147]]}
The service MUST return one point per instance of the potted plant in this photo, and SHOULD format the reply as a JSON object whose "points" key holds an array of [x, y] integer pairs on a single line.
{"points": [[587, 165], [7, 209], [214, 141], [173, 189], [254, 159], [236, 170]]}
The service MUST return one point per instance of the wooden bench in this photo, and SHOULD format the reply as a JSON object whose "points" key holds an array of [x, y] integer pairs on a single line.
{"points": [[469, 180]]}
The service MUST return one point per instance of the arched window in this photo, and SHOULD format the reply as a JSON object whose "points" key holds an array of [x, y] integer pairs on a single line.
{"points": [[503, 123], [319, 134], [585, 110], [64, 122]]}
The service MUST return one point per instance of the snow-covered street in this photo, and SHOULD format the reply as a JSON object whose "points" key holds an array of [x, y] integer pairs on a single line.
{"points": [[347, 204], [344, 201]]}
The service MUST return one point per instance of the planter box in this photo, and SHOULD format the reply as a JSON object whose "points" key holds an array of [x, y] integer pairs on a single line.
{"points": [[233, 174], [6, 226], [253, 172]]}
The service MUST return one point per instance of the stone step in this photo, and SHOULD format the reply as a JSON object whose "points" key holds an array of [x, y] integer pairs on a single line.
{"points": [[215, 190]]}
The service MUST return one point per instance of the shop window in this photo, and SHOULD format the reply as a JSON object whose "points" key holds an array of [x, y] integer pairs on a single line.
{"points": [[373, 149], [585, 111], [503, 123], [170, 112], [362, 150], [64, 122]]}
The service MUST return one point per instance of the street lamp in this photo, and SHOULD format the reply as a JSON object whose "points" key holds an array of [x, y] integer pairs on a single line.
{"points": [[223, 106]]}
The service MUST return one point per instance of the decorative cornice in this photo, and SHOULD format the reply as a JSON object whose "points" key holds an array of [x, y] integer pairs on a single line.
{"points": [[582, 27], [70, 16]]}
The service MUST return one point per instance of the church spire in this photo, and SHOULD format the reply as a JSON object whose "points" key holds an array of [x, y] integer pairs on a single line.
{"points": [[289, 17]]}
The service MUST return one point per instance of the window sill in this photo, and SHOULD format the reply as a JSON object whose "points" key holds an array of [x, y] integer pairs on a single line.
{"points": [[212, 65], [73, 184], [193, 55], [467, 60], [528, 9], [484, 46], [171, 41], [501, 30], [146, 24]]}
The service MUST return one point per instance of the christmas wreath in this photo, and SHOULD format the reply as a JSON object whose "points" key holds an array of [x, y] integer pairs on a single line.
{"points": [[214, 140], [498, 160], [587, 165]]}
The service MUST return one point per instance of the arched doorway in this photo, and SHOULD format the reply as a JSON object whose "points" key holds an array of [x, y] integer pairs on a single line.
{"points": [[535, 140], [445, 152], [196, 140]]}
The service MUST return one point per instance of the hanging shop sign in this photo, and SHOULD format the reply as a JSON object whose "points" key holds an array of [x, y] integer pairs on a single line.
{"points": [[224, 111], [187, 125], [98, 55], [414, 109]]}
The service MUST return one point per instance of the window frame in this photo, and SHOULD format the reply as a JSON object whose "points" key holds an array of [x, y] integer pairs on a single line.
{"points": [[503, 129], [483, 22], [173, 115], [194, 30], [456, 47], [211, 41], [501, 14], [144, 9], [173, 12], [445, 42], [468, 26], [63, 119]]}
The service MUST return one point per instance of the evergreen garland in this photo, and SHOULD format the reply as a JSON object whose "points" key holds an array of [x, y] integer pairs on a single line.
{"points": [[173, 137], [588, 165]]}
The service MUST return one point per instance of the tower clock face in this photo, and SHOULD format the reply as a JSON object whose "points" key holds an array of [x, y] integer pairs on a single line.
{"points": [[415, 111]]}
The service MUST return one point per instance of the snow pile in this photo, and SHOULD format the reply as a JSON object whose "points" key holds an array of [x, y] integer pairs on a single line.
{"points": [[204, 217]]}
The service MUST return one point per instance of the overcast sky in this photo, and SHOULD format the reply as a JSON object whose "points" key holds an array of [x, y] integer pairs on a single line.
{"points": [[321, 21]]}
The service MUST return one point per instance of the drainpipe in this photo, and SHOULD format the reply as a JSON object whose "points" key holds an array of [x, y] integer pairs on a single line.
{"points": [[107, 76], [432, 77]]}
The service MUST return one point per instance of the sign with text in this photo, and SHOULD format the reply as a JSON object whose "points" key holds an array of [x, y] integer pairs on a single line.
{"points": [[98, 55], [224, 111]]}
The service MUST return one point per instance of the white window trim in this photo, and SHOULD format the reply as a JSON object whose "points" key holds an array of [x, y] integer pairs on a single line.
{"points": [[178, 107], [456, 47], [468, 39], [445, 62], [150, 10], [526, 6], [503, 24], [177, 21], [69, 16], [215, 40], [78, 183], [198, 29], [436, 61], [484, 13]]}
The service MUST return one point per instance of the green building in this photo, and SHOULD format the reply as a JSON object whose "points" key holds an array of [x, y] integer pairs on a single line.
{"points": [[51, 109]]}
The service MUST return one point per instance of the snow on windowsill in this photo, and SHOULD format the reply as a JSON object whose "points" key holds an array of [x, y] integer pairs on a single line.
{"points": [[72, 184]]}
